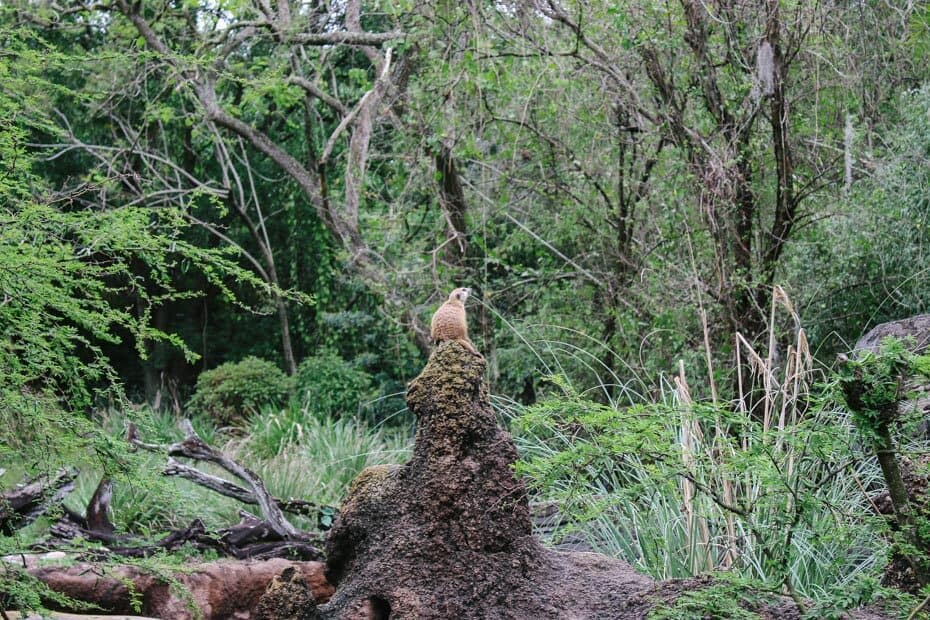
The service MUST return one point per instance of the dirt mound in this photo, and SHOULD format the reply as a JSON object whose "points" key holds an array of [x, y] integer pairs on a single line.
{"points": [[449, 535]]}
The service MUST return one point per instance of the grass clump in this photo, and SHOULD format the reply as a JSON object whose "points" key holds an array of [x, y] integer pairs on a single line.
{"points": [[297, 454], [302, 454], [772, 486]]}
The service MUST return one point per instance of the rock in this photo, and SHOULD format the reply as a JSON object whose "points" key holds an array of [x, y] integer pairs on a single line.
{"points": [[915, 332], [916, 327]]}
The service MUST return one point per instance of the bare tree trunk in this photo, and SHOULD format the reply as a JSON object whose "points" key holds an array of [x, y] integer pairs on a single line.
{"points": [[465, 257], [287, 348]]}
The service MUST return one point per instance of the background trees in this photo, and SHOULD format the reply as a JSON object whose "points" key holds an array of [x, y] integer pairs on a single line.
{"points": [[627, 185], [66, 266], [642, 175], [706, 139]]}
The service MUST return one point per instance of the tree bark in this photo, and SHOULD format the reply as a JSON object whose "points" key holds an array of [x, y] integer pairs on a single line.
{"points": [[21, 506], [213, 591]]}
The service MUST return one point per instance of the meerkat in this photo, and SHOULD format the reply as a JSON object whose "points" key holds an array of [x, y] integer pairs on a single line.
{"points": [[449, 321]]}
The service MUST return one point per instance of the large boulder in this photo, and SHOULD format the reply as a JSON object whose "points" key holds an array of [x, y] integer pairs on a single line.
{"points": [[915, 328]]}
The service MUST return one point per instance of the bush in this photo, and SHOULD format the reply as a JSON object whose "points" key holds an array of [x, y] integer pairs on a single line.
{"points": [[233, 389], [329, 386]]}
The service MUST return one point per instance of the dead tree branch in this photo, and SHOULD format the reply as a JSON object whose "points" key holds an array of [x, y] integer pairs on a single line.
{"points": [[23, 505], [195, 448]]}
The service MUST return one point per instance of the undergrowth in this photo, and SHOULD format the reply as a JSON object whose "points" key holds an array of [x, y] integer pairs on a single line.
{"points": [[297, 454], [772, 486]]}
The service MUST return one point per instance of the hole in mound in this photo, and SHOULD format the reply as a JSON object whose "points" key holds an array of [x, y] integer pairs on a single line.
{"points": [[380, 608]]}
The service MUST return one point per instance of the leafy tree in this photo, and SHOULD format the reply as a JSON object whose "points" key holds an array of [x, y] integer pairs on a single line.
{"points": [[64, 268], [869, 263]]}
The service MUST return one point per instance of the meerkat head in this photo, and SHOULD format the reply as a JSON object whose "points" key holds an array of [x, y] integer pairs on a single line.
{"points": [[460, 295]]}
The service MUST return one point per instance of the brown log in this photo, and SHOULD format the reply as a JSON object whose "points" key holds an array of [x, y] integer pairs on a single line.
{"points": [[16, 615], [223, 589]]}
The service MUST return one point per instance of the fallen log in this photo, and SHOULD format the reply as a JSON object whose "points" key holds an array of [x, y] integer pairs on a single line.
{"points": [[216, 590], [15, 615]]}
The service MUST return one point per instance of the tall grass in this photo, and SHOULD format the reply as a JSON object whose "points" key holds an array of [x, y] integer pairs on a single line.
{"points": [[296, 453], [767, 486], [302, 454]]}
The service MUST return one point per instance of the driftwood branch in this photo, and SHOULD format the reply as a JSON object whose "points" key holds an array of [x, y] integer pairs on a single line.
{"points": [[226, 487], [233, 490], [252, 537], [23, 505], [256, 538], [194, 447]]}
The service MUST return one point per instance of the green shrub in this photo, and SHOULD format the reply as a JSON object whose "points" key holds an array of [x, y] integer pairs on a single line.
{"points": [[229, 391], [328, 385]]}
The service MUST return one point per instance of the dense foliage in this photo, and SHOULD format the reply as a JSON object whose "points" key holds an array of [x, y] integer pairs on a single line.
{"points": [[246, 211], [234, 390], [329, 386]]}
